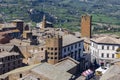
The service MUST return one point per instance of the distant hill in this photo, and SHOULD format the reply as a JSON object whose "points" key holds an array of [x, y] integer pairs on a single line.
{"points": [[65, 13]]}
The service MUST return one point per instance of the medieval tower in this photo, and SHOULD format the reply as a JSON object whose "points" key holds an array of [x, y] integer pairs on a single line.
{"points": [[54, 48], [43, 22], [86, 26]]}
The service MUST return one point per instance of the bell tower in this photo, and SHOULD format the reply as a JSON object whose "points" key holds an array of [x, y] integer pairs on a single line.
{"points": [[86, 26], [54, 48], [44, 22]]}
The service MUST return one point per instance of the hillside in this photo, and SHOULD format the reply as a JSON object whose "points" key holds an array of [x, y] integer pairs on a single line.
{"points": [[65, 13]]}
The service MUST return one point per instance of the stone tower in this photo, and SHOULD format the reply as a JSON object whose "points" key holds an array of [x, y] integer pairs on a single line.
{"points": [[54, 48], [27, 34], [86, 26], [44, 22], [19, 24]]}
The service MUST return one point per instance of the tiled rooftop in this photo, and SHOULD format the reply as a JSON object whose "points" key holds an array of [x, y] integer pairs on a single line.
{"points": [[66, 64], [70, 39], [51, 72], [4, 54], [106, 39], [6, 47], [112, 73], [18, 70]]}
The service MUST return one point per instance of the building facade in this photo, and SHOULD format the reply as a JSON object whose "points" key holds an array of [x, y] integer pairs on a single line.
{"points": [[53, 48], [103, 49], [10, 58], [9, 61], [72, 46], [65, 69]]}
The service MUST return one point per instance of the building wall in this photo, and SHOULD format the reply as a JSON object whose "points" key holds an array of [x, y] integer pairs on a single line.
{"points": [[9, 63], [87, 46], [74, 50], [54, 48], [38, 54], [33, 54], [19, 25], [23, 74], [18, 75], [86, 26], [103, 54], [118, 55], [4, 40]]}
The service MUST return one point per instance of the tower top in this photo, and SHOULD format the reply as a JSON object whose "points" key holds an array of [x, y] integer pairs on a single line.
{"points": [[44, 22], [86, 16], [44, 17], [86, 20]]}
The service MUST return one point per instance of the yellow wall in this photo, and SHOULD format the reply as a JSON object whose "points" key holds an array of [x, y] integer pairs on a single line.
{"points": [[118, 55]]}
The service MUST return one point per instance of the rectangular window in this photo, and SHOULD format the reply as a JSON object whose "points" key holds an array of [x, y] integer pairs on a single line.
{"points": [[3, 65], [102, 47], [42, 49], [2, 59], [75, 52], [107, 47], [113, 47], [55, 57], [55, 53], [79, 44], [107, 55], [48, 58], [75, 45], [68, 48], [64, 49], [102, 55], [48, 48], [13, 63], [8, 64], [71, 54], [64, 56], [79, 50], [47, 52], [51, 53], [20, 75], [71, 47], [38, 78], [51, 48], [55, 48], [113, 56]]}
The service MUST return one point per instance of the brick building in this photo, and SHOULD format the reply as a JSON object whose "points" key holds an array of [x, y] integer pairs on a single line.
{"points": [[86, 26], [54, 48], [63, 70]]}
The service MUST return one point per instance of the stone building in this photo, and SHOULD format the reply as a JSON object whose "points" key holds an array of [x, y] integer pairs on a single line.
{"points": [[72, 46], [19, 24], [113, 72], [65, 69], [86, 26], [56, 44], [43, 22], [6, 36], [10, 58], [103, 49], [59, 47], [54, 48]]}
